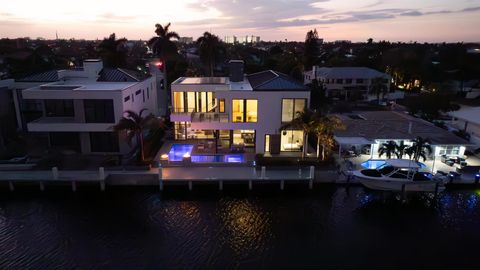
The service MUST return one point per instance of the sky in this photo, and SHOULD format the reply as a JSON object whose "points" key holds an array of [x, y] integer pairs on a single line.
{"points": [[356, 20]]}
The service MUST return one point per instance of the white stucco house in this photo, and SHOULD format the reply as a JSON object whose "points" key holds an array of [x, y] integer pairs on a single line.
{"points": [[468, 120], [77, 108], [348, 83], [241, 111]]}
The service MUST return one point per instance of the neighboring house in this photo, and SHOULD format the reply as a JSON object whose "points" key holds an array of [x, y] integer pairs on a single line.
{"points": [[240, 111], [8, 123], [77, 109], [467, 119], [369, 130], [348, 83]]}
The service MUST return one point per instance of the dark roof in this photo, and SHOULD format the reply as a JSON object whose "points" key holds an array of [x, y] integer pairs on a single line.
{"points": [[49, 76], [270, 80], [389, 125], [119, 75]]}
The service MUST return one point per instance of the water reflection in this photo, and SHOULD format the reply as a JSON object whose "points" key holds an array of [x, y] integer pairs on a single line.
{"points": [[248, 226]]}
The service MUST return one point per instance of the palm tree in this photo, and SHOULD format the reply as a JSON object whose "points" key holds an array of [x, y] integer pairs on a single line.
{"points": [[388, 149], [307, 121], [420, 149], [325, 127], [162, 45], [401, 149], [210, 50], [378, 87], [134, 124], [113, 52]]}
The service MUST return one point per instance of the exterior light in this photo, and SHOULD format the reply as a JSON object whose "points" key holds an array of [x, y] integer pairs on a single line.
{"points": [[186, 155], [164, 157]]}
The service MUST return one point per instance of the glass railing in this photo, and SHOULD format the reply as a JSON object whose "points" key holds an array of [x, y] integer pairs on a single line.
{"points": [[210, 117]]}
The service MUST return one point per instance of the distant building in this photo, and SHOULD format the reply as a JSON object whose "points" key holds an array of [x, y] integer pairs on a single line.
{"points": [[186, 40], [76, 109], [347, 82], [242, 40], [249, 39], [230, 39]]}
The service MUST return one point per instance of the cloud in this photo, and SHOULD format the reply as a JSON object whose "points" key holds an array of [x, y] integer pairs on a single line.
{"points": [[265, 14], [114, 18]]}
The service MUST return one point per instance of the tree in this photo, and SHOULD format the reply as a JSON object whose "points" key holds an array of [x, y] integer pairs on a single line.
{"points": [[113, 51], [313, 122], [307, 121], [378, 87], [134, 125], [388, 149], [210, 49], [311, 49], [324, 130], [400, 150], [420, 149], [163, 47]]}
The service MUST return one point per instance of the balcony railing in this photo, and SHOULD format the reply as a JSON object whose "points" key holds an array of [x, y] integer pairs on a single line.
{"points": [[210, 117]]}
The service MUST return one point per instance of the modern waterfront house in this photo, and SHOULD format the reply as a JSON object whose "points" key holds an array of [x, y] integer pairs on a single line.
{"points": [[239, 113], [77, 108], [349, 83], [366, 131]]}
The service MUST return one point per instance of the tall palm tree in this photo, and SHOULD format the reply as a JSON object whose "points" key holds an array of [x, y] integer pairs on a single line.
{"points": [[113, 51], [401, 150], [162, 45], [324, 130], [210, 50], [307, 121], [378, 87], [388, 149], [421, 148], [135, 124]]}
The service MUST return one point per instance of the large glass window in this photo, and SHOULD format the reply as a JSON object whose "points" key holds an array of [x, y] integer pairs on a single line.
{"points": [[104, 142], [244, 137], [59, 108], [244, 110], [238, 110], [178, 102], [291, 141], [291, 107], [99, 111]]}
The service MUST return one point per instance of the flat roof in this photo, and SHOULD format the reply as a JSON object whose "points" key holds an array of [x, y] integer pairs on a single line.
{"points": [[389, 125], [83, 85], [202, 80], [470, 114]]}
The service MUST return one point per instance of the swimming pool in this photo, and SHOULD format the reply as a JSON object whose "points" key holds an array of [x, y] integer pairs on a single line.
{"points": [[178, 151], [375, 163]]}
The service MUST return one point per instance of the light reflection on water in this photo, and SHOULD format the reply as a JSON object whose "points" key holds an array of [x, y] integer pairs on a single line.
{"points": [[332, 227]]}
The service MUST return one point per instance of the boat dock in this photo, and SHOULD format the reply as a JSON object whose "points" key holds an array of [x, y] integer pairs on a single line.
{"points": [[186, 176]]}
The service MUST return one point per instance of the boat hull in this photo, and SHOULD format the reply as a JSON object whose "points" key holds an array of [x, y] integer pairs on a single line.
{"points": [[392, 184]]}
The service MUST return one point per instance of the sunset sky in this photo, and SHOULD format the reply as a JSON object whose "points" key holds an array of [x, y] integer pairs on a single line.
{"points": [[356, 20]]}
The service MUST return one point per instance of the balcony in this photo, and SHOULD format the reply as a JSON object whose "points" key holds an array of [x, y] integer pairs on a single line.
{"points": [[210, 117], [65, 124]]}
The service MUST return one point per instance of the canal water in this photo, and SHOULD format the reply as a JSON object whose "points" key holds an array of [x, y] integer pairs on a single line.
{"points": [[328, 228]]}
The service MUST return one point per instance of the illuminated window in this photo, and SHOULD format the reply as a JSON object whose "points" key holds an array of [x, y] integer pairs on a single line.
{"points": [[267, 143], [244, 110], [291, 141], [221, 105], [178, 102], [291, 108], [238, 110]]}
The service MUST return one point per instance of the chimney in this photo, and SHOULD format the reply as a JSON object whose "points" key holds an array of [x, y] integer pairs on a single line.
{"points": [[236, 70], [92, 67], [410, 127]]}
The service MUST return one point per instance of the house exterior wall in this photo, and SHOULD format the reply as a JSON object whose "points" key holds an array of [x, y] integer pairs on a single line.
{"points": [[269, 112]]}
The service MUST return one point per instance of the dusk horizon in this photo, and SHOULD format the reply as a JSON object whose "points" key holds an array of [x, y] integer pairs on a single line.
{"points": [[394, 21]]}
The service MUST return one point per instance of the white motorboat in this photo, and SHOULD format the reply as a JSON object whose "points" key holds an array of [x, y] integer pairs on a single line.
{"points": [[400, 175]]}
